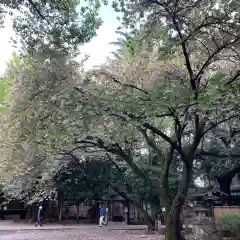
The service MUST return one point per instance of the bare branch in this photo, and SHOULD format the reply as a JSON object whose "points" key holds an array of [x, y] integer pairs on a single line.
{"points": [[128, 85], [127, 197], [214, 125], [162, 135], [117, 150], [234, 77], [38, 12], [151, 142], [185, 53], [230, 173], [208, 61], [123, 84], [220, 155]]}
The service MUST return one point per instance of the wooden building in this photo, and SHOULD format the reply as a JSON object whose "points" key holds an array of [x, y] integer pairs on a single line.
{"points": [[14, 210]]}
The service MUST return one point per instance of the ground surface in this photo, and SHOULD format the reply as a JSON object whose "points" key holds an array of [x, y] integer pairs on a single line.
{"points": [[78, 232]]}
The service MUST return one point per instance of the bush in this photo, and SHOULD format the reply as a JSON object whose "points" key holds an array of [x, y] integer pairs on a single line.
{"points": [[230, 223]]}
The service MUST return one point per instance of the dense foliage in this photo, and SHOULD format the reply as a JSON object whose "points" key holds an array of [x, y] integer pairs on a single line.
{"points": [[164, 111], [230, 223], [54, 25]]}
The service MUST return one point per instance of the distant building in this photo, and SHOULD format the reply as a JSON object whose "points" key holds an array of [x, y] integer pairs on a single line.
{"points": [[236, 181], [14, 210]]}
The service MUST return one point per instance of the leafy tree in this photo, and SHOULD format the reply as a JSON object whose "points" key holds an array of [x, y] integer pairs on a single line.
{"points": [[127, 44], [190, 79], [59, 25], [24, 158], [170, 103], [99, 174], [204, 34], [221, 161], [116, 114], [84, 181], [30, 158]]}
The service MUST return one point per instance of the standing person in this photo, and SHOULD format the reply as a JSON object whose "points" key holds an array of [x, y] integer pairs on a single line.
{"points": [[101, 219], [39, 217], [66, 212]]}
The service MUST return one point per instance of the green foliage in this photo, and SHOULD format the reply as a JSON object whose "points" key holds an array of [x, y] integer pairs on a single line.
{"points": [[28, 135], [59, 25], [153, 111], [85, 181], [128, 45], [230, 223], [4, 93]]}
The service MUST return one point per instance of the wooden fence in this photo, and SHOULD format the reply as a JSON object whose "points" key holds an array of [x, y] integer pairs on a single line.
{"points": [[220, 211]]}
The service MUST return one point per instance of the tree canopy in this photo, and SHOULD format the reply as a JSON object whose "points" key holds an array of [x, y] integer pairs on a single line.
{"points": [[58, 25], [163, 114]]}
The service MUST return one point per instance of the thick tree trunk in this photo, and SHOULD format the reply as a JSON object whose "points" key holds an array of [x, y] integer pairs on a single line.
{"points": [[173, 225], [173, 213], [225, 186], [225, 181], [150, 222]]}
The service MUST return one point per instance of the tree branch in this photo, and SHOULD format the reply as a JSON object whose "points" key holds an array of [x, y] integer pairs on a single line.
{"points": [[162, 135], [214, 125], [128, 85], [126, 196], [114, 163], [208, 61], [230, 173], [117, 150], [234, 77], [220, 155], [185, 53], [38, 12], [122, 84], [151, 142]]}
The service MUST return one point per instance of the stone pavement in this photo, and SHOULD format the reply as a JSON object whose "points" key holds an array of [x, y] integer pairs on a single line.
{"points": [[12, 231]]}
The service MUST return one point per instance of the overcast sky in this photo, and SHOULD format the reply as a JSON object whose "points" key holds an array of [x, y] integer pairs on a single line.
{"points": [[98, 48]]}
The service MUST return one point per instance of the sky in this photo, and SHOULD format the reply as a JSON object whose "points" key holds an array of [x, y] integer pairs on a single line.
{"points": [[5, 46], [98, 48]]}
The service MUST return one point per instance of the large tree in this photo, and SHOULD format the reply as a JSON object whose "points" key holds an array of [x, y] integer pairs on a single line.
{"points": [[219, 162], [191, 88], [169, 99]]}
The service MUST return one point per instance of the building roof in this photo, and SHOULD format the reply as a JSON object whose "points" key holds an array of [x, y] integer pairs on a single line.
{"points": [[204, 192], [211, 198]]}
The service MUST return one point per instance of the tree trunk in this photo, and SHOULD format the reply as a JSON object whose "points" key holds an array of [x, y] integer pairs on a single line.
{"points": [[28, 214], [149, 220], [225, 186], [225, 181], [150, 223], [173, 225], [78, 213], [173, 213], [60, 212]]}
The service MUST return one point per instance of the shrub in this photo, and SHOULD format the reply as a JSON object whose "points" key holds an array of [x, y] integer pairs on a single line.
{"points": [[231, 223]]}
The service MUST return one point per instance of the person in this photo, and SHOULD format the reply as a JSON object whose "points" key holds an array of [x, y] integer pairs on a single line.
{"points": [[39, 217], [66, 212], [101, 218]]}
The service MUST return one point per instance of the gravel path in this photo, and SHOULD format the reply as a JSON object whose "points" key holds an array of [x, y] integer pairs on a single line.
{"points": [[83, 233]]}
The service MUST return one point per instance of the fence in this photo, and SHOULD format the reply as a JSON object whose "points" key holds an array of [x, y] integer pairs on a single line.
{"points": [[220, 211]]}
